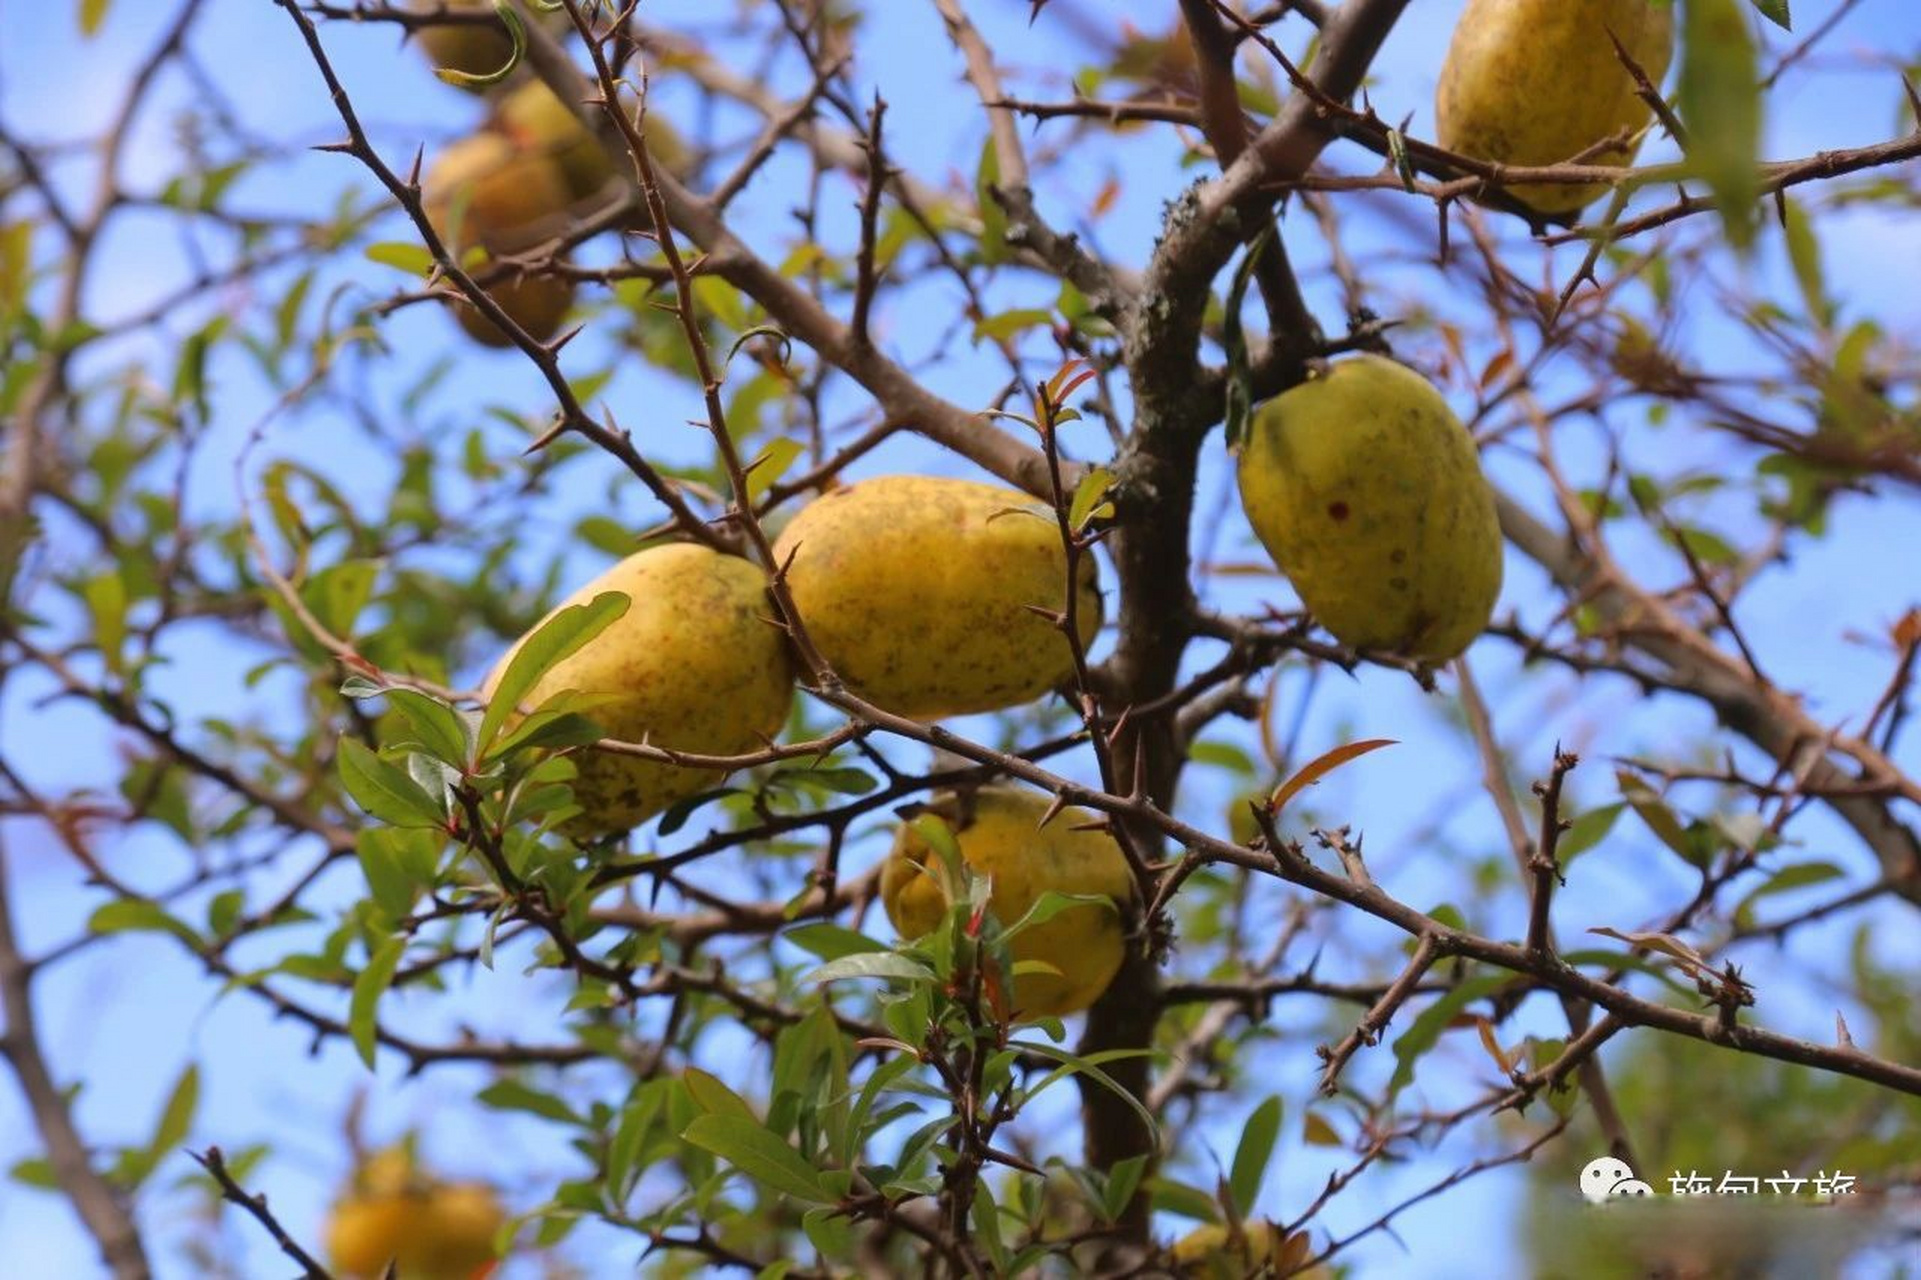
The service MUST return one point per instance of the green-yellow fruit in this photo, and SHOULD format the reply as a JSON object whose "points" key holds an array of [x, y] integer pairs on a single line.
{"points": [[1198, 1252], [999, 833], [693, 665], [918, 590], [539, 304], [1368, 493], [535, 120], [478, 49], [428, 1229], [503, 197], [1537, 82]]}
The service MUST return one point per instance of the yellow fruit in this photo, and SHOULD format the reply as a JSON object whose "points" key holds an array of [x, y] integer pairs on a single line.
{"points": [[500, 196], [999, 834], [1536, 82], [535, 120], [1368, 493], [538, 304], [479, 49], [692, 665], [916, 591], [1204, 1251], [428, 1230]]}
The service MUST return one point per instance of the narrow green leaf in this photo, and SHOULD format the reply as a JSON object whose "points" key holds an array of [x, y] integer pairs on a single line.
{"points": [[92, 14], [552, 643], [176, 1117], [1720, 103], [1251, 1156], [871, 964], [384, 789], [1425, 1031], [993, 241], [831, 941], [750, 1148], [369, 986], [1776, 11]]}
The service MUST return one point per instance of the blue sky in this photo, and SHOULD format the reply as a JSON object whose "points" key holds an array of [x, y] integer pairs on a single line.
{"points": [[258, 1082]]}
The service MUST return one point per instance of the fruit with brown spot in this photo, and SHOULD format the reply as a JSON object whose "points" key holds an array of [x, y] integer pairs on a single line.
{"points": [[694, 665], [1368, 493], [921, 593]]}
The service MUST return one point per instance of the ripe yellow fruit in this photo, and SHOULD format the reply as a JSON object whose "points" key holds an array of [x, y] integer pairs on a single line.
{"points": [[537, 121], [693, 665], [1368, 493], [502, 197], [485, 190], [999, 834], [1536, 82], [539, 304], [428, 1229], [479, 49], [917, 591], [1205, 1250]]}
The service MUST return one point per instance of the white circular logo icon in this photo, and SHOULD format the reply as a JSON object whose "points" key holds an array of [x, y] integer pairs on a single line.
{"points": [[1608, 1176]]}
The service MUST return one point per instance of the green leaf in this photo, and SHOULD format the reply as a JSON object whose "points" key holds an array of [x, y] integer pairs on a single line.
{"points": [[369, 986], [1052, 903], [769, 467], [555, 640], [176, 1117], [36, 1172], [1090, 499], [711, 1094], [1720, 103], [106, 597], [384, 789], [676, 817], [92, 14], [993, 242], [1804, 255], [1800, 875], [1587, 831], [1425, 1032], [516, 32], [750, 1148], [387, 877], [138, 915], [871, 964], [1251, 1156], [339, 592], [1187, 1202], [1009, 323], [438, 729], [831, 941], [512, 1095], [1776, 11], [414, 259], [1122, 1181]]}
